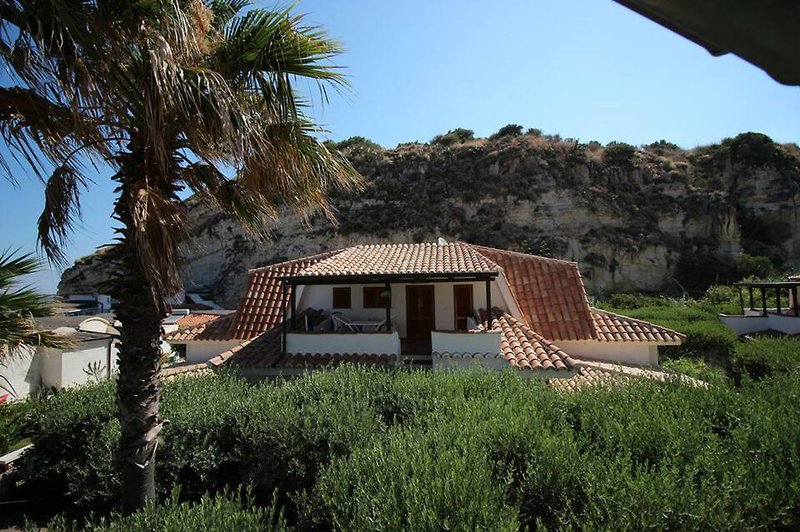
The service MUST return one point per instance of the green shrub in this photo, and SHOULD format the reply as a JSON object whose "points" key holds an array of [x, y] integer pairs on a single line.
{"points": [[454, 136], [634, 301], [220, 512], [697, 369], [663, 147], [766, 356], [355, 448], [754, 266], [509, 130], [619, 155], [75, 435], [358, 143], [13, 425]]}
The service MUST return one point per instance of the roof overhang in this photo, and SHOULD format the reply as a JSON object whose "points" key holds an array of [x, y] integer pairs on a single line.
{"points": [[390, 278], [765, 33]]}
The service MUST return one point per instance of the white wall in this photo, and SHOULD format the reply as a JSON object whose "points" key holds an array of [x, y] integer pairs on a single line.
{"points": [[74, 362], [204, 351], [750, 324], [21, 369], [50, 367], [344, 342], [466, 342], [321, 297], [638, 353]]}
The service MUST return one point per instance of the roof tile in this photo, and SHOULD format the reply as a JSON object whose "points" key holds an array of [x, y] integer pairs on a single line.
{"points": [[616, 328], [395, 259], [549, 292]]}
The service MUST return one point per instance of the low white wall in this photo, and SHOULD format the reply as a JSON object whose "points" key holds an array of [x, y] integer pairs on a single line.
{"points": [[21, 369], [197, 352], [750, 324], [485, 342], [639, 353], [344, 342]]}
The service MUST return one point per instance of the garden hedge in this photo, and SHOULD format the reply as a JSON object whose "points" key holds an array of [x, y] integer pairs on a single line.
{"points": [[356, 448]]}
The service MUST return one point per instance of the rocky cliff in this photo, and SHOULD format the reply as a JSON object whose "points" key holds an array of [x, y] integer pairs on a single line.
{"points": [[656, 218]]}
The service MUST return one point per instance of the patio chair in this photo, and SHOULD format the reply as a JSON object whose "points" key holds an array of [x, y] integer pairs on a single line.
{"points": [[340, 322]]}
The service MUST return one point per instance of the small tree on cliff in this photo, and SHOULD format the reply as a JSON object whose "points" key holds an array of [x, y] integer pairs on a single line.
{"points": [[169, 94]]}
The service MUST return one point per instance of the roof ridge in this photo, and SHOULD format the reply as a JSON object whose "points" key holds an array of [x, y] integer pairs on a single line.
{"points": [[520, 253], [321, 255], [673, 331]]}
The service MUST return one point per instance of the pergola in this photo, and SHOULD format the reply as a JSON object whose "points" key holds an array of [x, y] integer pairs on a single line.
{"points": [[791, 288]]}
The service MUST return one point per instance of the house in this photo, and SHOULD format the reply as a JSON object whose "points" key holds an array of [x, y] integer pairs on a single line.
{"points": [[202, 334], [92, 356], [766, 306], [439, 305]]}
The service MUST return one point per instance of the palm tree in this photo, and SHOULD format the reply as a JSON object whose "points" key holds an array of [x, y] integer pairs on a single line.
{"points": [[20, 305], [171, 94]]}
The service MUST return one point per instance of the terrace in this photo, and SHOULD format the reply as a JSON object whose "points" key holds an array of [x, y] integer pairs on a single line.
{"points": [[759, 314]]}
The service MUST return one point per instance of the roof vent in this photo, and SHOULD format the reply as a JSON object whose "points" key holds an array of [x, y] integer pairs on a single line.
{"points": [[442, 241]]}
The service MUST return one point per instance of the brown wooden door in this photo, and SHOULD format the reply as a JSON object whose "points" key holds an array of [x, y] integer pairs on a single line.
{"points": [[420, 318], [462, 303]]}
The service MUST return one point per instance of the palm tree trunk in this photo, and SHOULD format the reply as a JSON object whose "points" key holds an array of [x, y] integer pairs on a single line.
{"points": [[139, 383], [138, 391]]}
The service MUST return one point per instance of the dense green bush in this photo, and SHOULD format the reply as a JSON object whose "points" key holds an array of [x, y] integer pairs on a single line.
{"points": [[355, 448], [754, 266], [509, 130], [766, 356], [619, 155], [358, 143], [218, 513], [75, 434], [454, 136]]}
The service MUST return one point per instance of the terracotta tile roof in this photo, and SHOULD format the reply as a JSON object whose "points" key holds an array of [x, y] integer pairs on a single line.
{"points": [[549, 292], [523, 347], [616, 328], [215, 329], [191, 320], [262, 304], [585, 378], [171, 372], [390, 259], [595, 372]]}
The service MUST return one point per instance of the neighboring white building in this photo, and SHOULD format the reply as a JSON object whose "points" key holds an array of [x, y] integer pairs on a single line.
{"points": [[426, 304], [92, 356], [203, 334]]}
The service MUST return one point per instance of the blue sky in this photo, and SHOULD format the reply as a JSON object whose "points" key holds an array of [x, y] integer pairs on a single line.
{"points": [[587, 69]]}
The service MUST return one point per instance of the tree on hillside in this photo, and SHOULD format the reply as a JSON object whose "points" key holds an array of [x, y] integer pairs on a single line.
{"points": [[169, 95]]}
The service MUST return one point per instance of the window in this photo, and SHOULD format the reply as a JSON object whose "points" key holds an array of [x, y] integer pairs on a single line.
{"points": [[372, 297], [341, 297]]}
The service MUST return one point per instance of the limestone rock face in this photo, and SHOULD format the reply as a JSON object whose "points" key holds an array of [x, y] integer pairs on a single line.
{"points": [[633, 224]]}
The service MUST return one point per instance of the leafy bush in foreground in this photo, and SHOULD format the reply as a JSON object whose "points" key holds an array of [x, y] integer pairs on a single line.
{"points": [[355, 448], [219, 513]]}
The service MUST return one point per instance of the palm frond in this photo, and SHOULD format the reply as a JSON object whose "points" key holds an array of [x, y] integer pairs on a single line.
{"points": [[61, 208], [20, 305]]}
